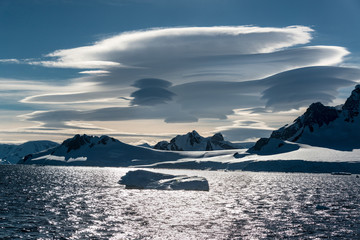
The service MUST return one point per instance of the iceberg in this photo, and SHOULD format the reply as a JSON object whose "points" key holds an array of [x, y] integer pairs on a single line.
{"points": [[141, 179]]}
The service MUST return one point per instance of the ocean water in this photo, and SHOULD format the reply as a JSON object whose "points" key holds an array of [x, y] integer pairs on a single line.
{"points": [[88, 203]]}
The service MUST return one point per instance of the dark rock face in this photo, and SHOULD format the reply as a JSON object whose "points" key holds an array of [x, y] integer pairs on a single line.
{"points": [[79, 140], [27, 157], [352, 105], [194, 141], [105, 139], [218, 137], [194, 137], [317, 113], [161, 145], [76, 142], [259, 144]]}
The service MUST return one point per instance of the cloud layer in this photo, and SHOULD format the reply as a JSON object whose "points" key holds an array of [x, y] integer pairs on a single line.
{"points": [[190, 74], [139, 48]]}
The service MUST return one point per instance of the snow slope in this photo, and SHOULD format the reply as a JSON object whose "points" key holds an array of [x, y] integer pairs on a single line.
{"points": [[192, 141], [106, 151], [304, 158], [12, 153]]}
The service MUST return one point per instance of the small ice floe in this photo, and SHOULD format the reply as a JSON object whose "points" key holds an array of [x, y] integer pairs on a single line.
{"points": [[340, 173], [141, 179], [321, 207]]}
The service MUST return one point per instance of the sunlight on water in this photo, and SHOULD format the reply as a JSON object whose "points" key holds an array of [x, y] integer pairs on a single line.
{"points": [[87, 203]]}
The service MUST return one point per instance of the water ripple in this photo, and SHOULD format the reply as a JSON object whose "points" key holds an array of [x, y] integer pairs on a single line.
{"points": [[87, 203]]}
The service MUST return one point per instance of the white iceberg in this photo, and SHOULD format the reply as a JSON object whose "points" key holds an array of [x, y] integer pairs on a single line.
{"points": [[141, 179]]}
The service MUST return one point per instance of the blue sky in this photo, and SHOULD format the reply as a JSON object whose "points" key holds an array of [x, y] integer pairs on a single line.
{"points": [[37, 88]]}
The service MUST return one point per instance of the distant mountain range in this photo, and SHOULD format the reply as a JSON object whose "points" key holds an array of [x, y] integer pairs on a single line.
{"points": [[322, 126], [192, 141], [12, 153]]}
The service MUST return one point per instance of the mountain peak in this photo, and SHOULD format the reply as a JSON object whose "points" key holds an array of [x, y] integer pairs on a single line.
{"points": [[192, 141], [194, 133], [319, 114], [351, 107], [324, 126], [217, 137], [76, 142], [80, 140]]}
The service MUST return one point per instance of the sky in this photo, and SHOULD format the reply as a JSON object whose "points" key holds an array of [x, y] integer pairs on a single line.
{"points": [[147, 70]]}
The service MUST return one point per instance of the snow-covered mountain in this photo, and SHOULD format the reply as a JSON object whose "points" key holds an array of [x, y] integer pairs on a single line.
{"points": [[192, 141], [12, 153], [84, 150], [323, 126], [106, 151], [145, 145], [324, 139]]}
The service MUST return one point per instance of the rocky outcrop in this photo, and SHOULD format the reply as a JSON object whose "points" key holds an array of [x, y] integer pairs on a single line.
{"points": [[316, 114], [192, 141], [351, 108], [80, 140]]}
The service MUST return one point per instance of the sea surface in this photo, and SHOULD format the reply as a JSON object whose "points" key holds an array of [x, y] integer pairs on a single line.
{"points": [[88, 203]]}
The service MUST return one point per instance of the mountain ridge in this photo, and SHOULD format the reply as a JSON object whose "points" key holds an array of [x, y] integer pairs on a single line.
{"points": [[86, 150], [323, 126], [193, 141], [12, 153]]}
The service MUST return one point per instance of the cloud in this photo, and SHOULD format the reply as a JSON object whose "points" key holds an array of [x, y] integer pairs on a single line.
{"points": [[151, 83], [23, 85], [301, 87], [152, 91], [12, 60], [60, 118], [95, 72], [243, 130], [245, 133], [217, 100], [190, 74], [151, 96], [83, 64], [136, 48], [77, 97], [284, 91], [184, 55]]}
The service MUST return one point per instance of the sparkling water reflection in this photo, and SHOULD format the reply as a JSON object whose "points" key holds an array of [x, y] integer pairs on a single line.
{"points": [[87, 203]]}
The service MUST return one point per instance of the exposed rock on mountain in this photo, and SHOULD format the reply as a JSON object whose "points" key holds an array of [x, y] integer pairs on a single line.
{"points": [[323, 126], [192, 141], [84, 150]]}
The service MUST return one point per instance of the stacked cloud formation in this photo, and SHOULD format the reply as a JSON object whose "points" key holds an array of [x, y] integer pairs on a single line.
{"points": [[192, 73]]}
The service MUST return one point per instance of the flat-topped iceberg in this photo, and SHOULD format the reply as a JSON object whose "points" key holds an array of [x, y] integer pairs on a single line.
{"points": [[141, 179]]}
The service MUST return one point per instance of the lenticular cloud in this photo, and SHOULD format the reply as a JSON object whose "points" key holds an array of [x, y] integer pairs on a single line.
{"points": [[190, 73], [135, 49]]}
